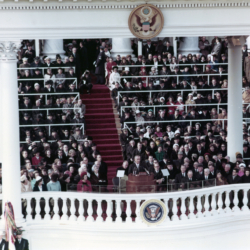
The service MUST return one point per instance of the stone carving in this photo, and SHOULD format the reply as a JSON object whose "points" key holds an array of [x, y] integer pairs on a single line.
{"points": [[9, 49]]}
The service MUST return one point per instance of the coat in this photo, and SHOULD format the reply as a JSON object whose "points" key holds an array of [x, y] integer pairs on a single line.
{"points": [[36, 189], [133, 168], [247, 68], [23, 189], [100, 62], [4, 245], [24, 245]]}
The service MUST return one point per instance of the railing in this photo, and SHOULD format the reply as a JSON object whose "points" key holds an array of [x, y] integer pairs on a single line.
{"points": [[49, 109], [196, 205], [56, 94], [45, 80], [54, 125], [168, 91], [176, 64], [174, 121], [44, 68], [174, 76], [176, 105]]}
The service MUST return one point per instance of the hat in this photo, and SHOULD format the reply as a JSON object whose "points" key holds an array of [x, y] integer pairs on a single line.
{"points": [[153, 68], [26, 114], [239, 156], [148, 127], [38, 178], [36, 84], [137, 111], [23, 178], [242, 165], [154, 56], [25, 59], [19, 231], [150, 110], [177, 132], [126, 68], [77, 129], [47, 58], [115, 67]]}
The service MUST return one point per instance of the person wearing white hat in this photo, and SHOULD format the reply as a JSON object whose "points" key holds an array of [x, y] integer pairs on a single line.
{"points": [[154, 72], [3, 242], [25, 184], [190, 101], [138, 118], [25, 64], [180, 105], [39, 186]]}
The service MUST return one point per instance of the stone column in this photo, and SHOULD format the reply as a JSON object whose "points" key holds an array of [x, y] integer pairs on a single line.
{"points": [[140, 48], [52, 47], [9, 134], [234, 137], [189, 45], [122, 47]]}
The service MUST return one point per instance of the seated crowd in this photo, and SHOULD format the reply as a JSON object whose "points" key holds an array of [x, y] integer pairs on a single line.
{"points": [[160, 136]]}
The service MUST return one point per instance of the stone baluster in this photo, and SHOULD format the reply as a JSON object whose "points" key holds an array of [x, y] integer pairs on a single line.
{"points": [[245, 207], [174, 210], [47, 216], [65, 210], [191, 208], [206, 206], [81, 211], [220, 203], [128, 212], [236, 201], [213, 205], [227, 202], [72, 210], [137, 211], [199, 207], [183, 209], [56, 216], [118, 211], [99, 217], [28, 209], [109, 211], [90, 211]]}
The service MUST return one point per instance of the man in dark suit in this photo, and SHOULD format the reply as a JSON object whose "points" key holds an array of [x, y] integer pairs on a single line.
{"points": [[168, 49], [179, 177], [3, 243], [212, 174], [200, 174], [136, 167], [21, 243], [139, 151], [190, 180], [148, 49], [100, 62], [158, 176], [234, 178]]}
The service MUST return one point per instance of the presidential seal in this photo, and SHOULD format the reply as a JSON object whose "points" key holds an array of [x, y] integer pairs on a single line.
{"points": [[153, 212], [146, 21]]}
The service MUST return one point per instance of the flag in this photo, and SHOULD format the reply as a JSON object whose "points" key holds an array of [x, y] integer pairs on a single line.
{"points": [[10, 225]]}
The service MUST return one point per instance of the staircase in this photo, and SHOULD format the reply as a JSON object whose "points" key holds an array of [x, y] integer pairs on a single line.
{"points": [[101, 123]]}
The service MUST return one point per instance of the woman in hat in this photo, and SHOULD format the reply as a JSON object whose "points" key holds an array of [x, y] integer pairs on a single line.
{"points": [[180, 105], [114, 77], [172, 107], [190, 102], [143, 73], [39, 186], [84, 184], [124, 61], [109, 68]]}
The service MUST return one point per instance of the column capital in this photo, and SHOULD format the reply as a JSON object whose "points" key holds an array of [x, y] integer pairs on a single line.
{"points": [[234, 41], [9, 49]]}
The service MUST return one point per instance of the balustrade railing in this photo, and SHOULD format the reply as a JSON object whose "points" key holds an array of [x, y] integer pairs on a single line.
{"points": [[193, 205]]}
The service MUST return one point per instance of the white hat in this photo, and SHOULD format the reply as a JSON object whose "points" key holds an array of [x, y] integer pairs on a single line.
{"points": [[47, 58], [148, 127], [137, 111], [175, 145], [126, 68], [153, 68], [25, 59], [179, 98], [36, 84], [38, 178], [162, 98], [242, 165], [190, 94], [23, 178], [177, 132]]}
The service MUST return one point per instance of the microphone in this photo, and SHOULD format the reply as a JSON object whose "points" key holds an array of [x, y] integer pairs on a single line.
{"points": [[146, 171]]}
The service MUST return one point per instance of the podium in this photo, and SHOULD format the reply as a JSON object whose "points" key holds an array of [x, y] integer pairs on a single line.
{"points": [[141, 183]]}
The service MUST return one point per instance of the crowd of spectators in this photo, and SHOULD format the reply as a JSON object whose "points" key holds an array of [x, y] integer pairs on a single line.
{"points": [[160, 136]]}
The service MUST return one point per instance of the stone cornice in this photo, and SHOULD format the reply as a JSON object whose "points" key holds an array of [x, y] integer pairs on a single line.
{"points": [[30, 5]]}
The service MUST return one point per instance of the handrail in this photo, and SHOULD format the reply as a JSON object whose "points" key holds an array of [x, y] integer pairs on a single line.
{"points": [[166, 91], [48, 109], [174, 121], [56, 93], [45, 80], [202, 203], [185, 105], [54, 125], [177, 64]]}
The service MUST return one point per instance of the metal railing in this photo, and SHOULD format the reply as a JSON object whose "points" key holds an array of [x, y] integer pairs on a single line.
{"points": [[54, 125], [45, 80], [183, 105], [167, 91], [175, 76], [45, 68], [48, 109], [174, 121], [57, 94]]}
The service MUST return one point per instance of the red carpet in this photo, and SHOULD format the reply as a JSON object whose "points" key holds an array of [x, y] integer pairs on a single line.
{"points": [[100, 124]]}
